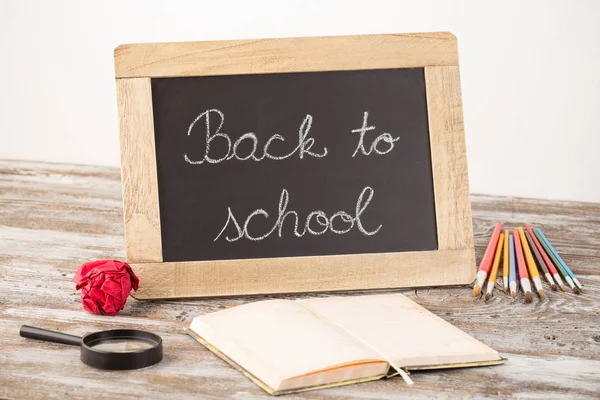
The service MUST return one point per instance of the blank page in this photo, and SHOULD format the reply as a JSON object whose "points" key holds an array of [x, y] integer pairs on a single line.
{"points": [[276, 340], [401, 330]]}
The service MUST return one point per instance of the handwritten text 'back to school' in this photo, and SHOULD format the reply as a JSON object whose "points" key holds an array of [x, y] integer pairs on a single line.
{"points": [[317, 222]]}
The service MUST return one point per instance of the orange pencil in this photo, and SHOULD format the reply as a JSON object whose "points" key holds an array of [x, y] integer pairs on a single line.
{"points": [[523, 276], [495, 265], [533, 271], [486, 261], [505, 259]]}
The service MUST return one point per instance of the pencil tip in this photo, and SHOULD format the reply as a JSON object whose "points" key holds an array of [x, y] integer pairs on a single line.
{"points": [[488, 296], [553, 287], [562, 287], [541, 293], [476, 290], [576, 290], [514, 295], [506, 290], [528, 297]]}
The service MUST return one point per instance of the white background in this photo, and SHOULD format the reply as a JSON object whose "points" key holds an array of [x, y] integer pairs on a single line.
{"points": [[530, 75]]}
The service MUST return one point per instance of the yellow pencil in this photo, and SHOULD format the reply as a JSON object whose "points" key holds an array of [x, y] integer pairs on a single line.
{"points": [[505, 262], [533, 271], [495, 265]]}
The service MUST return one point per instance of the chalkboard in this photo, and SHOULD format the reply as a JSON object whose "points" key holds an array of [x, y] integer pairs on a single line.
{"points": [[342, 135], [294, 165]]}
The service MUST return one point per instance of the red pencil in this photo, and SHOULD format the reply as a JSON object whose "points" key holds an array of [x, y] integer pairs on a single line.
{"points": [[486, 261], [549, 264], [523, 275]]}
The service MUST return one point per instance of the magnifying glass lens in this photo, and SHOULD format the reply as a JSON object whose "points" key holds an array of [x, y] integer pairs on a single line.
{"points": [[121, 345]]}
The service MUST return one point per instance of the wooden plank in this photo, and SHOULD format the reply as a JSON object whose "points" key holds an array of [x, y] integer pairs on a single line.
{"points": [[138, 170], [303, 274], [306, 54], [449, 158], [53, 217]]}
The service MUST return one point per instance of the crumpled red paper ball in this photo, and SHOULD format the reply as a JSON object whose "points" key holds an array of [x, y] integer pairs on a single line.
{"points": [[105, 285]]}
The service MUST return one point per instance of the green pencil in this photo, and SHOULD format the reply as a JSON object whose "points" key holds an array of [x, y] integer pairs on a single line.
{"points": [[557, 264], [560, 260]]}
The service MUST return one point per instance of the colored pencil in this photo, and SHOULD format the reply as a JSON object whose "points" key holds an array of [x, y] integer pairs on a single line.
{"points": [[570, 276], [555, 262], [540, 260], [505, 262], [522, 268], [533, 271], [495, 266], [549, 264], [512, 276], [486, 261]]}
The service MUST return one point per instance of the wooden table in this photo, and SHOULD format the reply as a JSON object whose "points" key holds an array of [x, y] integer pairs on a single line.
{"points": [[55, 217]]}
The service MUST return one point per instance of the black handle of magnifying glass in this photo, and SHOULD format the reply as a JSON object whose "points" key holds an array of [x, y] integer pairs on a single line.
{"points": [[32, 332]]}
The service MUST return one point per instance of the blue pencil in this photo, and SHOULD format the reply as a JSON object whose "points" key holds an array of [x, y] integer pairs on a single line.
{"points": [[512, 276], [560, 260]]}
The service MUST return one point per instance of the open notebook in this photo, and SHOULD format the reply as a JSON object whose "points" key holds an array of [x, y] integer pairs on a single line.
{"points": [[288, 346]]}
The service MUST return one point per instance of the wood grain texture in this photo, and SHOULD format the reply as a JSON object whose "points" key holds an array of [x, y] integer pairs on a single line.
{"points": [[55, 217], [138, 170], [306, 54], [449, 158], [304, 274]]}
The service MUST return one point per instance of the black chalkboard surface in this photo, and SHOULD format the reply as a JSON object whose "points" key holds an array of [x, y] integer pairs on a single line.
{"points": [[349, 150]]}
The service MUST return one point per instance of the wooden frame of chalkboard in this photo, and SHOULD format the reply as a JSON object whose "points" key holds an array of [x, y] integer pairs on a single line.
{"points": [[452, 263]]}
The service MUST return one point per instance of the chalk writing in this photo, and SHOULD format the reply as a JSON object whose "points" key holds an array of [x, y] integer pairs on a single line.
{"points": [[384, 137], [316, 223], [303, 148]]}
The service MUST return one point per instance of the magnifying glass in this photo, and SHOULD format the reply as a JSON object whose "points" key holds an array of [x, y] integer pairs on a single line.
{"points": [[116, 349]]}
